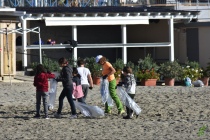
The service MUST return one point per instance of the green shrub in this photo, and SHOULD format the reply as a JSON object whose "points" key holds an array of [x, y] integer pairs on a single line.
{"points": [[170, 69], [118, 64], [147, 64], [48, 64]]}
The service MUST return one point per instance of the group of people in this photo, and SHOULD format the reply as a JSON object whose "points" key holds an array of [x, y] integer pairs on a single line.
{"points": [[76, 83]]}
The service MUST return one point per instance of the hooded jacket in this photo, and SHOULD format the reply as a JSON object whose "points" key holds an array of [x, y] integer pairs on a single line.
{"points": [[66, 76], [41, 81]]}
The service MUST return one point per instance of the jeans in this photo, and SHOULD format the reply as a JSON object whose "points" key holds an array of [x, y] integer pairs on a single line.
{"points": [[66, 92], [44, 96], [113, 94], [85, 91]]}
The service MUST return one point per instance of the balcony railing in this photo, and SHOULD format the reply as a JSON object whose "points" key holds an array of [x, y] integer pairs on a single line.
{"points": [[91, 3]]}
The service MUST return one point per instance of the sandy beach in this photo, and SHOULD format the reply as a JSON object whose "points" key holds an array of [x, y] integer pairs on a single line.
{"points": [[167, 113]]}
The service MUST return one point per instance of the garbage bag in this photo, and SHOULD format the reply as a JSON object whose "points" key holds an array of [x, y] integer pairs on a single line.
{"points": [[198, 83], [188, 82], [127, 101], [104, 88], [52, 93], [88, 110]]}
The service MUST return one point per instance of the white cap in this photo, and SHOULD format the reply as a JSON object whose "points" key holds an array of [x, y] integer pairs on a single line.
{"points": [[98, 57]]}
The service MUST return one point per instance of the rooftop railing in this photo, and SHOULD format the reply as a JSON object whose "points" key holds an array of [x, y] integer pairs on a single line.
{"points": [[93, 3]]}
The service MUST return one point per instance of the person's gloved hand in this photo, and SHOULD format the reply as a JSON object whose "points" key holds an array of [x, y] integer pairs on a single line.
{"points": [[105, 76], [90, 88]]}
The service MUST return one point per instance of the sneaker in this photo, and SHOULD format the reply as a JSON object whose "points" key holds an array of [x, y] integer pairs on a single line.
{"points": [[37, 116], [73, 116], [57, 115], [127, 117], [121, 112], [47, 117], [108, 112]]}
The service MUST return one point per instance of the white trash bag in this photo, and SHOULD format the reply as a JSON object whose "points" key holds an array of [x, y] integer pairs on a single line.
{"points": [[52, 93], [104, 88], [198, 83], [127, 101], [89, 111]]}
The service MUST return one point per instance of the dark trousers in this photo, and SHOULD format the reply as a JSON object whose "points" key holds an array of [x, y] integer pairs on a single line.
{"points": [[44, 96], [85, 91], [128, 110], [66, 92]]}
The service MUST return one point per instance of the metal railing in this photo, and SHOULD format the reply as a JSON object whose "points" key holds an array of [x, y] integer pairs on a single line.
{"points": [[91, 3]]}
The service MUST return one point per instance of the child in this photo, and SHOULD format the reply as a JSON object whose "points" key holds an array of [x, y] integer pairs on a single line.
{"points": [[86, 79], [129, 83], [77, 92], [41, 84], [66, 78]]}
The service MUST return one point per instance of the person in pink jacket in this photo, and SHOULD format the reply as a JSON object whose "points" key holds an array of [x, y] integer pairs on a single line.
{"points": [[77, 86]]}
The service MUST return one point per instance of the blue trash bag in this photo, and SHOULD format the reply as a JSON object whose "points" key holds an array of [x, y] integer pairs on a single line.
{"points": [[187, 82]]}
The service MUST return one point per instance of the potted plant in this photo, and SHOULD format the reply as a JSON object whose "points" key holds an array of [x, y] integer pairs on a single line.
{"points": [[118, 65], [192, 70], [147, 72], [148, 77], [95, 70], [206, 75], [170, 70]]}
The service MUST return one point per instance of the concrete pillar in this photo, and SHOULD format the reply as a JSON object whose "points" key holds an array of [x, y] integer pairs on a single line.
{"points": [[74, 37], [124, 42], [24, 44], [171, 33]]}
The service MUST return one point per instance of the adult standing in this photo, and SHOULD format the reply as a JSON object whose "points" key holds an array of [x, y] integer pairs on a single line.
{"points": [[66, 78], [108, 72], [86, 78]]}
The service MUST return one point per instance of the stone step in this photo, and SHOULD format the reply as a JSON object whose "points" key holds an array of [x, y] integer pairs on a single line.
{"points": [[22, 73], [24, 78]]}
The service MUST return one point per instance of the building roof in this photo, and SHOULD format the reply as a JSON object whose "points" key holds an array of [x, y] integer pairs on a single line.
{"points": [[103, 9], [104, 15], [10, 14]]}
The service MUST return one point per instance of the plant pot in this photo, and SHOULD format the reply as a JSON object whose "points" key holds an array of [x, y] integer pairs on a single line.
{"points": [[148, 82], [96, 80], [205, 81], [169, 81]]}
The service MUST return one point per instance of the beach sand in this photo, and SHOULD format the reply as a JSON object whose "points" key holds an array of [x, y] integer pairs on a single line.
{"points": [[167, 113]]}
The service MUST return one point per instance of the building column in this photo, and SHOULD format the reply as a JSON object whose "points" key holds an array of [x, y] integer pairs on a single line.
{"points": [[35, 3], [74, 37], [171, 33], [124, 42], [24, 44]]}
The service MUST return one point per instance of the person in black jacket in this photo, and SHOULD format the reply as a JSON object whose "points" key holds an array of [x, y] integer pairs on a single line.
{"points": [[66, 78]]}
